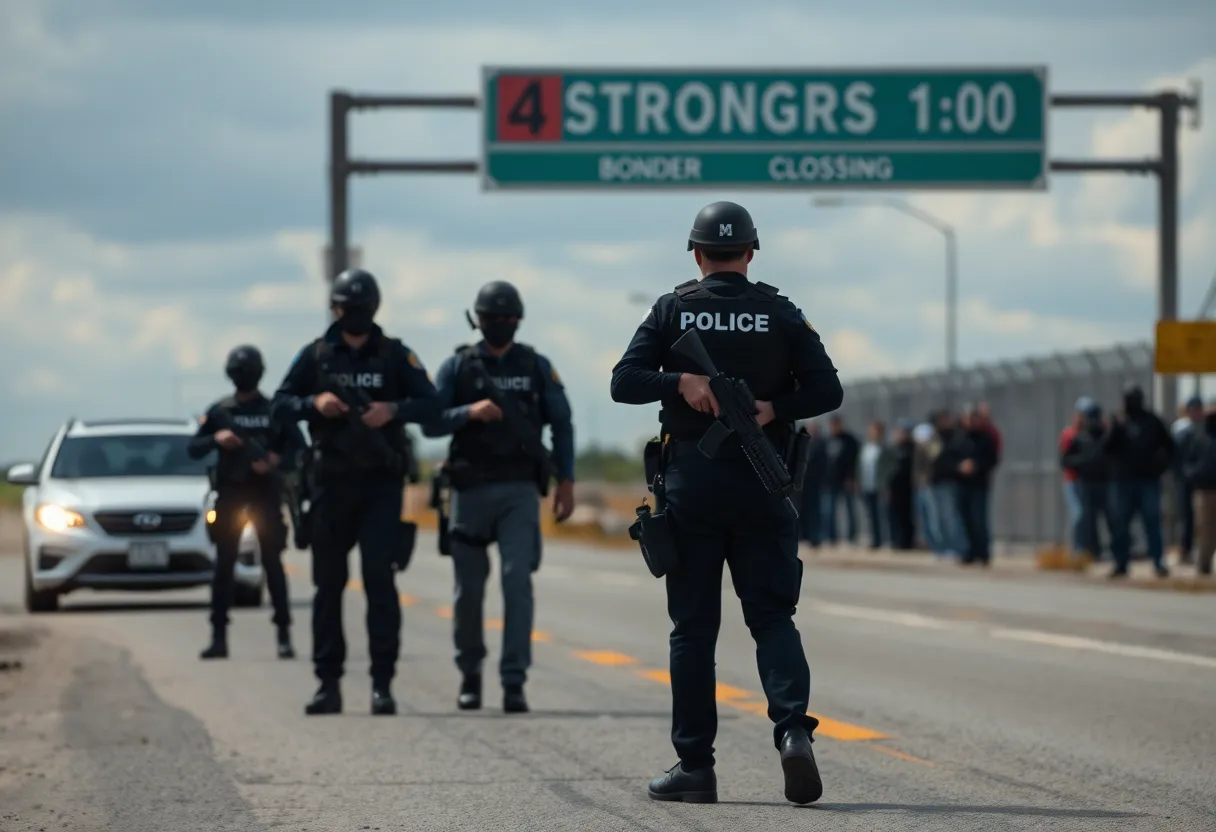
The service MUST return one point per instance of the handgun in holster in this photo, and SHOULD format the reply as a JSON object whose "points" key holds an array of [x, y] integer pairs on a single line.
{"points": [[440, 496], [797, 457], [652, 530]]}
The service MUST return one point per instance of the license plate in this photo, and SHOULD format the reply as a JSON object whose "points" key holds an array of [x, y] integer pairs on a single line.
{"points": [[146, 555]]}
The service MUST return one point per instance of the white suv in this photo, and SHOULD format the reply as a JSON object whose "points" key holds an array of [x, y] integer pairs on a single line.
{"points": [[119, 504]]}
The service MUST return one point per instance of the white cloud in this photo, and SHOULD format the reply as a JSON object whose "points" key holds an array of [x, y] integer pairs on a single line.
{"points": [[1038, 272]]}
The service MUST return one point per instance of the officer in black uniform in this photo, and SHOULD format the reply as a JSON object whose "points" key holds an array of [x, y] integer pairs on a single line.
{"points": [[357, 388], [247, 489], [497, 484], [717, 508]]}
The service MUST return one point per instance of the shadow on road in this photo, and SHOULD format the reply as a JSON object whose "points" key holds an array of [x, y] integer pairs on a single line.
{"points": [[949, 809], [491, 713]]}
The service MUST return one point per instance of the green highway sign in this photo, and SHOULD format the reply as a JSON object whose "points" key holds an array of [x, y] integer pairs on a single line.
{"points": [[883, 128]]}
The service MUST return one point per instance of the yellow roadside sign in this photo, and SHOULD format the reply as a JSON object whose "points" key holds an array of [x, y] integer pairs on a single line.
{"points": [[1186, 347]]}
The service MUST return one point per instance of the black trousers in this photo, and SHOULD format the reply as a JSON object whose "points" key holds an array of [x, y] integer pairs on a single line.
{"points": [[264, 508], [722, 516], [364, 511], [902, 518]]}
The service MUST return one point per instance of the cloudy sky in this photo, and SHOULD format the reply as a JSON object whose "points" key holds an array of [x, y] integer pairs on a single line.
{"points": [[163, 198]]}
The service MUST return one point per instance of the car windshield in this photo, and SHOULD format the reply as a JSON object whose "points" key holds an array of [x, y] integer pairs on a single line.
{"points": [[147, 455]]}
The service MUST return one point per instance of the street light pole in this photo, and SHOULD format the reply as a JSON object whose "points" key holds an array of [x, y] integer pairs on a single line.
{"points": [[948, 232]]}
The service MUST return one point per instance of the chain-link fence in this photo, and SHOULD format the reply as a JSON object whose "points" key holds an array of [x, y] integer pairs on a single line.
{"points": [[1032, 400]]}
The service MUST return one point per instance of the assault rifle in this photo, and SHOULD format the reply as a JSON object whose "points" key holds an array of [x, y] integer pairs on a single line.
{"points": [[517, 423], [296, 488], [738, 416], [357, 399], [251, 450]]}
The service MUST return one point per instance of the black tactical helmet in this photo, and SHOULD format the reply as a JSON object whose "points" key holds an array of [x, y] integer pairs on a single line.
{"points": [[355, 289], [245, 362], [499, 299], [723, 225]]}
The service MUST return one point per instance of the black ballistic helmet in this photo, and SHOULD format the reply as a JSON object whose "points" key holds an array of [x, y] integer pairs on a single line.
{"points": [[499, 299], [355, 289], [245, 362], [723, 225]]}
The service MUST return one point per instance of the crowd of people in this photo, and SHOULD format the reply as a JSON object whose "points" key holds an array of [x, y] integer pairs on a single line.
{"points": [[929, 486], [1115, 469]]}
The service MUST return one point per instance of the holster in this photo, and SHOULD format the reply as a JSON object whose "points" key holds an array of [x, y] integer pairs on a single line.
{"points": [[440, 491], [652, 530], [797, 457], [408, 535]]}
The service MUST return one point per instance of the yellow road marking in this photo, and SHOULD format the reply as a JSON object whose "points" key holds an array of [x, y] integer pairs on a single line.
{"points": [[741, 700], [444, 612], [406, 599], [355, 584], [544, 638], [726, 693], [494, 623], [899, 755], [605, 657], [828, 727]]}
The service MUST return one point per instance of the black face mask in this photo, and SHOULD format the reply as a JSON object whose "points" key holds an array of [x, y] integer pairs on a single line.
{"points": [[356, 321], [498, 332], [246, 381]]}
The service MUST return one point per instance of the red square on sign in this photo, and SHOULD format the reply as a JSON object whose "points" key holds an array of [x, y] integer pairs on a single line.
{"points": [[529, 108]]}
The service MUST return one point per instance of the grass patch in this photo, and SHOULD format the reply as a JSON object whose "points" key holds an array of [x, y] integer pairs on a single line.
{"points": [[10, 495]]}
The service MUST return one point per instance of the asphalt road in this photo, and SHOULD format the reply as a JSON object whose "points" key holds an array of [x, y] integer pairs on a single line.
{"points": [[949, 701]]}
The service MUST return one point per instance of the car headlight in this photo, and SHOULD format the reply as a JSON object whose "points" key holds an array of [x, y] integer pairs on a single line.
{"points": [[210, 516], [57, 518]]}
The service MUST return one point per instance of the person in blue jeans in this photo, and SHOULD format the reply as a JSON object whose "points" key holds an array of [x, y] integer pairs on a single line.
{"points": [[948, 449], [840, 480], [1141, 450]]}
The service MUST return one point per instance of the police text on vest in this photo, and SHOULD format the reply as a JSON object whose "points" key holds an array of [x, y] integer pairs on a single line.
{"points": [[361, 379], [725, 322]]}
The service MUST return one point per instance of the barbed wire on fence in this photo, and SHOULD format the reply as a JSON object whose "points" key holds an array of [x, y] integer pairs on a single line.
{"points": [[1032, 399]]}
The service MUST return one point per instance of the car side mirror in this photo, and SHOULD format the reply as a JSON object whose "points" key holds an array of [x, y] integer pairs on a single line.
{"points": [[23, 473]]}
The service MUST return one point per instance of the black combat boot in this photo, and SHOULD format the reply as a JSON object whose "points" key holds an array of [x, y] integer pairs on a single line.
{"points": [[802, 782], [513, 700], [383, 703], [327, 700], [218, 649], [681, 785], [286, 651], [470, 694]]}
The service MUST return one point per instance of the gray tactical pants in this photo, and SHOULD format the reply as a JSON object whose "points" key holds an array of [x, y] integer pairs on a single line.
{"points": [[508, 513]]}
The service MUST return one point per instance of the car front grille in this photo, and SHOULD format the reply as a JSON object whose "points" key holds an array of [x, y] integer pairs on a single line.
{"points": [[141, 522], [115, 563]]}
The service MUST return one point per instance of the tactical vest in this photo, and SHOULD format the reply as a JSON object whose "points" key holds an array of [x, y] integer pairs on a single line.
{"points": [[252, 420], [744, 338], [483, 452], [339, 446]]}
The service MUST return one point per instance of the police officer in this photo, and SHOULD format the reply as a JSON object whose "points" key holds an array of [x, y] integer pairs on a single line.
{"points": [[356, 387], [497, 482], [247, 490], [718, 510]]}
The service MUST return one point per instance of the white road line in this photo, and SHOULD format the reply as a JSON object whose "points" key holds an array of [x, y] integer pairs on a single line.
{"points": [[1112, 648], [906, 619]]}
